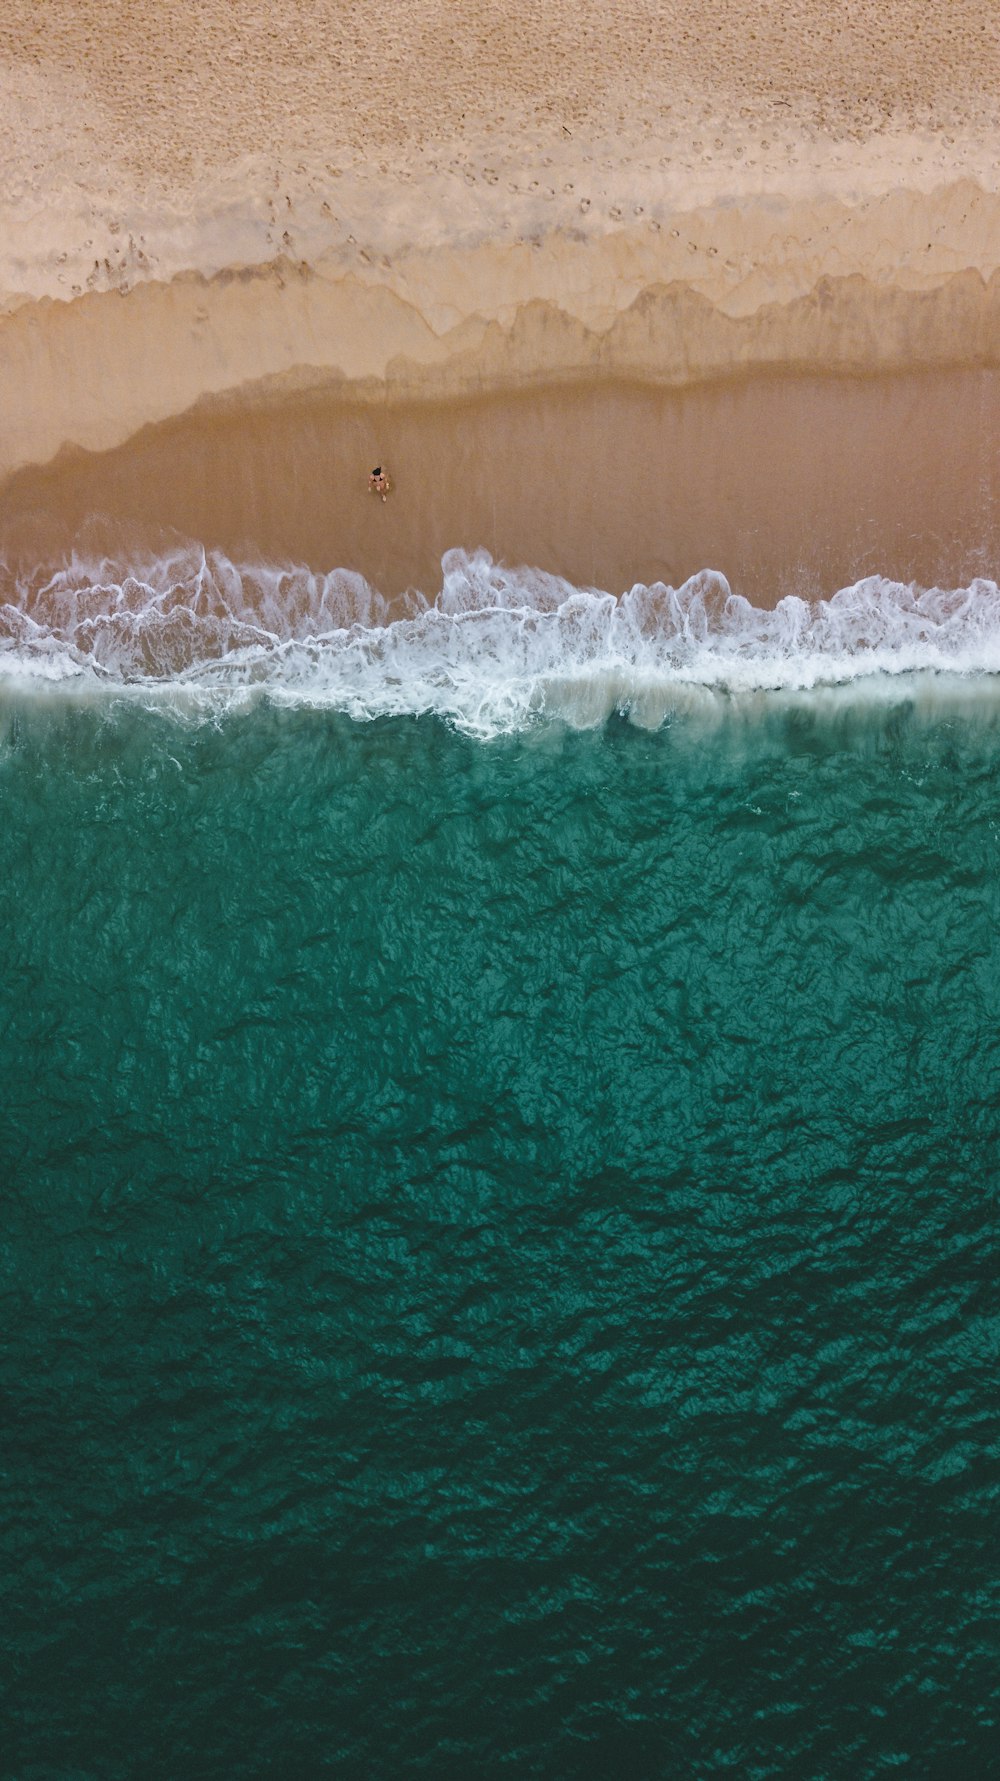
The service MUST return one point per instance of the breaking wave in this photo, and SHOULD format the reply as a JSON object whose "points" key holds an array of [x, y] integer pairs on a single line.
{"points": [[495, 650]]}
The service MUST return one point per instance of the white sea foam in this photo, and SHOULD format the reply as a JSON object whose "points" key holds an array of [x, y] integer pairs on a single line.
{"points": [[497, 649]]}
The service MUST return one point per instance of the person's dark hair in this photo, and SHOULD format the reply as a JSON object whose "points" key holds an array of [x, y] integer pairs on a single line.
{"points": [[377, 470]]}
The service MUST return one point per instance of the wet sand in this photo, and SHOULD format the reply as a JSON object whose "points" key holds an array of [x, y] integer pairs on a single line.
{"points": [[787, 484]]}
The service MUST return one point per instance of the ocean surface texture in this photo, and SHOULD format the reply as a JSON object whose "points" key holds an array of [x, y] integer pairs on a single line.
{"points": [[499, 1185]]}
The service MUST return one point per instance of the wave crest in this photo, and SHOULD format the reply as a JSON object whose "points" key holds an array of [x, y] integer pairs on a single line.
{"points": [[494, 651]]}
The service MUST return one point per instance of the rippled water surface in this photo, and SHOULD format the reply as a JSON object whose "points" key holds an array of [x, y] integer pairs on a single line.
{"points": [[500, 1242]]}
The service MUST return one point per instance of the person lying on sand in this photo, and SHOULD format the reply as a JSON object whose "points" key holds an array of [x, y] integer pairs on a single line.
{"points": [[378, 482]]}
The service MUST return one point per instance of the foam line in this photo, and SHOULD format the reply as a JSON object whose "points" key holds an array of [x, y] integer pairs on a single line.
{"points": [[496, 650]]}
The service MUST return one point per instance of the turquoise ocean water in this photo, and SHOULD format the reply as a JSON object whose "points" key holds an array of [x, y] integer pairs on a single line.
{"points": [[499, 1145]]}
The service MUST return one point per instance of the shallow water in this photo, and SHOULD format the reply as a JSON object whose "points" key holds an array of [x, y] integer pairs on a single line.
{"points": [[500, 1237]]}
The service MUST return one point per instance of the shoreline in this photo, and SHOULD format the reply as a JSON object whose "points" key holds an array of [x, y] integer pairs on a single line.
{"points": [[92, 372]]}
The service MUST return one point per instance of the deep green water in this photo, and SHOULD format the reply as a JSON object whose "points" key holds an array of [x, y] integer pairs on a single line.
{"points": [[500, 1245]]}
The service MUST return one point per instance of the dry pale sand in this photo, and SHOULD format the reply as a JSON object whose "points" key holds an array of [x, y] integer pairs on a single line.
{"points": [[172, 90], [238, 236]]}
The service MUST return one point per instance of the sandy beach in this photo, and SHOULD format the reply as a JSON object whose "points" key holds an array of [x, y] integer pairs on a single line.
{"points": [[686, 275]]}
